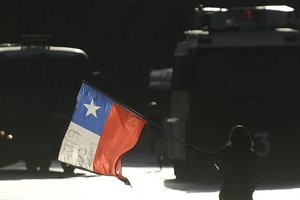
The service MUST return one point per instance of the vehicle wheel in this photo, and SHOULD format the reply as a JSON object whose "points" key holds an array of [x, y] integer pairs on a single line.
{"points": [[68, 169], [44, 165], [31, 165]]}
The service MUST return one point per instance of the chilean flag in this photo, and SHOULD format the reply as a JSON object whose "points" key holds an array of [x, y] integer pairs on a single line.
{"points": [[100, 132]]}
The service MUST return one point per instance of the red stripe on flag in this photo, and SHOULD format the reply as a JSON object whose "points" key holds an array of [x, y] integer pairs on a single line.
{"points": [[121, 133]]}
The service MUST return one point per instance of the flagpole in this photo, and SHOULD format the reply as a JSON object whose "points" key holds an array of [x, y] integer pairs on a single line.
{"points": [[165, 131]]}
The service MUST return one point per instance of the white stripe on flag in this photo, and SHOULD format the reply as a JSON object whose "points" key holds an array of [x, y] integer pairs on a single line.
{"points": [[79, 147]]}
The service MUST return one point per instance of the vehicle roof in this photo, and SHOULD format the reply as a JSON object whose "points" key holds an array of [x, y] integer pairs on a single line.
{"points": [[279, 37], [48, 51]]}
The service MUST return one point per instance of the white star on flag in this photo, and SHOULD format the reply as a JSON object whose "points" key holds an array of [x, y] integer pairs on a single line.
{"points": [[91, 108]]}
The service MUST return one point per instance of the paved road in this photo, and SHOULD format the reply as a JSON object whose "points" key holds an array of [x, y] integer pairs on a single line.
{"points": [[147, 179]]}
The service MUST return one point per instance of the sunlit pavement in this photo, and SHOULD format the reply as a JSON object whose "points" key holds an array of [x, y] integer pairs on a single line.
{"points": [[148, 182]]}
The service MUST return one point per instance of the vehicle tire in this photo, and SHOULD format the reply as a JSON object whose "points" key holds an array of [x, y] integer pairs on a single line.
{"points": [[68, 169], [44, 165], [31, 165]]}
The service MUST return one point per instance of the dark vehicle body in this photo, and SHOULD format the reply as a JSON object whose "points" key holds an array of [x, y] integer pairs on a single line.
{"points": [[38, 86], [224, 77]]}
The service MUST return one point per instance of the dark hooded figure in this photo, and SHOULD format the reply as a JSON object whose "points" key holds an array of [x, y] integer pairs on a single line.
{"points": [[238, 163]]}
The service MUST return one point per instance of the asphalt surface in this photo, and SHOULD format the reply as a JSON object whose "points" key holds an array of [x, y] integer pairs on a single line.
{"points": [[148, 181]]}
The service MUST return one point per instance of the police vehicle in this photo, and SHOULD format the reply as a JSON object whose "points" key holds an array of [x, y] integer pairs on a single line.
{"points": [[238, 66], [38, 85]]}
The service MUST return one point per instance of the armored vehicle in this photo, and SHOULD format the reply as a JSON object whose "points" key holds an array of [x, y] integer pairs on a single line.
{"points": [[238, 66], [39, 84]]}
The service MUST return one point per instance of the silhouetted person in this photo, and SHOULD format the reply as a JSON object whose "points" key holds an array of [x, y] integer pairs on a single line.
{"points": [[238, 162], [157, 139], [153, 113]]}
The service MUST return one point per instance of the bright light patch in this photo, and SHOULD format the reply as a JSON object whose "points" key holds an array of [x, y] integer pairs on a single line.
{"points": [[214, 9], [282, 8], [290, 194], [148, 183]]}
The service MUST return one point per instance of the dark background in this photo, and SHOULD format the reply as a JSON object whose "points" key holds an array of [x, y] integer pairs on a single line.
{"points": [[124, 38]]}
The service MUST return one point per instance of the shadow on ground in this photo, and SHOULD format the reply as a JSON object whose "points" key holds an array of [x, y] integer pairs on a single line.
{"points": [[194, 185]]}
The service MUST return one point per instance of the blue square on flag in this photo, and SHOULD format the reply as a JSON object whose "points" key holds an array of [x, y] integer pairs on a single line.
{"points": [[92, 110]]}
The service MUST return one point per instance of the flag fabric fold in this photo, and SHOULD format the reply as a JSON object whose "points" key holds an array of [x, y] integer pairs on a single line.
{"points": [[100, 133]]}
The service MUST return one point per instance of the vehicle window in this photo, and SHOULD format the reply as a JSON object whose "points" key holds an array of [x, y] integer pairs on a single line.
{"points": [[37, 89]]}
